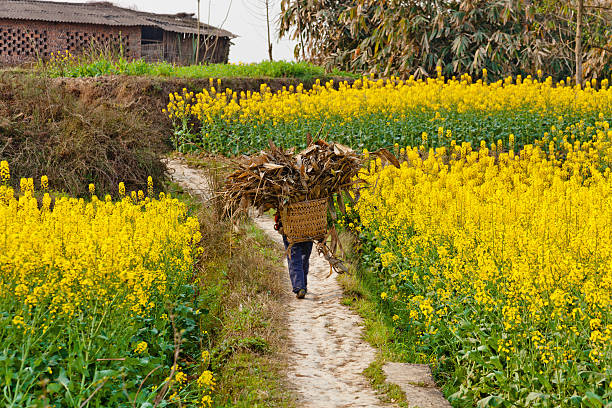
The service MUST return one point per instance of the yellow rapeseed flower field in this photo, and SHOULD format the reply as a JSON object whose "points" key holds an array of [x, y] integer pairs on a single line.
{"points": [[491, 246], [83, 253], [497, 264], [389, 96], [93, 293], [490, 249]]}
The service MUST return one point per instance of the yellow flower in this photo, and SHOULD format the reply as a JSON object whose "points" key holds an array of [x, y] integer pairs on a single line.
{"points": [[503, 235], [83, 254], [44, 183], [5, 174], [18, 321], [206, 379], [141, 347], [150, 186], [206, 401], [387, 259], [180, 377], [386, 97]]}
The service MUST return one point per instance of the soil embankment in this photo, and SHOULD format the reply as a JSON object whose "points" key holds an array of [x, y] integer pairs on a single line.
{"points": [[47, 130]]}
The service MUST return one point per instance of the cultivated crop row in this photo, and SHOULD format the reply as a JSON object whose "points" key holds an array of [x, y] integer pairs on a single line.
{"points": [[376, 113]]}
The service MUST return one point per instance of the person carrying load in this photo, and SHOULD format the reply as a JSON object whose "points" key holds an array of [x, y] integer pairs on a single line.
{"points": [[302, 188], [298, 260]]}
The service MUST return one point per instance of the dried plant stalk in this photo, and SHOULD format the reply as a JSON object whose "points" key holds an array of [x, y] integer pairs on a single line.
{"points": [[276, 177]]}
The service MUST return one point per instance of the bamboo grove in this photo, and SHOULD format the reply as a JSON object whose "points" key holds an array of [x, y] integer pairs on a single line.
{"points": [[506, 37]]}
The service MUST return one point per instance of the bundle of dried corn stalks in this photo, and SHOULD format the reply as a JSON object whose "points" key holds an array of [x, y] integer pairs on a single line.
{"points": [[277, 177]]}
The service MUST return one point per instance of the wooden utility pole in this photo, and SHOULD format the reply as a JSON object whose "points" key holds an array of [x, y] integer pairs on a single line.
{"points": [[197, 59], [578, 50]]}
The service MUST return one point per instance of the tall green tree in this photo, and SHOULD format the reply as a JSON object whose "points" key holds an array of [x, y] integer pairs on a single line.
{"points": [[407, 37]]}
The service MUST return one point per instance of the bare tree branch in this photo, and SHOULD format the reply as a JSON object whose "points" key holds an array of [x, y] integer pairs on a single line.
{"points": [[579, 72], [93, 393]]}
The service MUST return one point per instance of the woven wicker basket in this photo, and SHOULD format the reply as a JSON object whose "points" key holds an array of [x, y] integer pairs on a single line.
{"points": [[305, 221]]}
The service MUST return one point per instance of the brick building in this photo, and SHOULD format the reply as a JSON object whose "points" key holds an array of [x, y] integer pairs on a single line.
{"points": [[31, 29]]}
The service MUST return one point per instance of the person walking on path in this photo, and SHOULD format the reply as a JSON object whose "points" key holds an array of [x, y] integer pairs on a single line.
{"points": [[298, 260]]}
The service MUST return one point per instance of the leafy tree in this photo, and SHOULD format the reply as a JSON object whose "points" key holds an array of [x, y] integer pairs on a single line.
{"points": [[413, 37]]}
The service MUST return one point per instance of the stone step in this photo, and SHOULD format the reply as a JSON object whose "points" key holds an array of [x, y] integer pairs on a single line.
{"points": [[417, 383]]}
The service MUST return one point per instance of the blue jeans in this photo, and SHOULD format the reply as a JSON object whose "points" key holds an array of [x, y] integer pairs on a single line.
{"points": [[298, 262]]}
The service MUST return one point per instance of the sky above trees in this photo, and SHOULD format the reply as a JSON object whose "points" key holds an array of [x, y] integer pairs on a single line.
{"points": [[245, 18]]}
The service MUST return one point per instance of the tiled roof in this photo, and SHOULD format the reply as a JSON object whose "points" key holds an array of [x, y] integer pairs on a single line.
{"points": [[104, 13]]}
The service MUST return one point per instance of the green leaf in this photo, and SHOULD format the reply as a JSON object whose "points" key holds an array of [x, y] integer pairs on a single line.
{"points": [[533, 396], [500, 376], [484, 347], [62, 379], [544, 381], [593, 400], [476, 357], [54, 388], [592, 377], [576, 400], [106, 373], [491, 401], [8, 376], [495, 361]]}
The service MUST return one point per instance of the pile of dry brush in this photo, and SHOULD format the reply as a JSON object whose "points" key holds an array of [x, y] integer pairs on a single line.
{"points": [[46, 130]]}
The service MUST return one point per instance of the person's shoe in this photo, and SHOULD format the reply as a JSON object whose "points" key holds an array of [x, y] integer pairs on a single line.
{"points": [[301, 293]]}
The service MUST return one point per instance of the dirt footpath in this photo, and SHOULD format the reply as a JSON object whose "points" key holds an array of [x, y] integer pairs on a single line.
{"points": [[328, 353]]}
